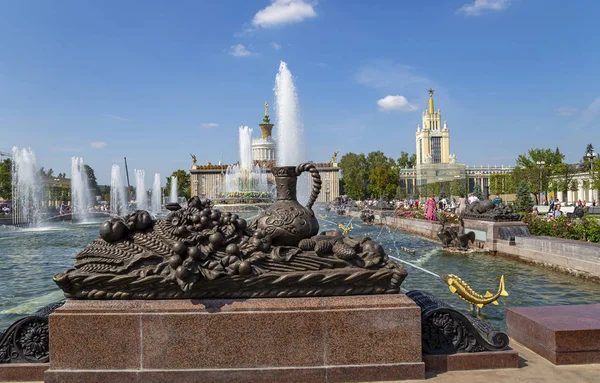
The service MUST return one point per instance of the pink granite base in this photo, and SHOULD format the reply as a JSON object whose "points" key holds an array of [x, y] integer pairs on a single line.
{"points": [[345, 339], [472, 361], [22, 372], [561, 334]]}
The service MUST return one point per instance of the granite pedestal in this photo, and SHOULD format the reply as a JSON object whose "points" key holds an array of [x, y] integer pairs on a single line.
{"points": [[329, 339], [561, 334]]}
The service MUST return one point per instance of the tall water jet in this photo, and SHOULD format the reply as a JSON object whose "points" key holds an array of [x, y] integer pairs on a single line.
{"points": [[28, 190], [156, 195], [173, 197], [118, 192], [141, 195], [246, 179], [290, 130], [245, 144], [80, 190]]}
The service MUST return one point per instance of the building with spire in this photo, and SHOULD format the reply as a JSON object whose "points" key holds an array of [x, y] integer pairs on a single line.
{"points": [[207, 181], [435, 165], [263, 148]]}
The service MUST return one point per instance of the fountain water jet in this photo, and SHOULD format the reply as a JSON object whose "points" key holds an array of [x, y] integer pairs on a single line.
{"points": [[141, 196], [80, 190], [290, 130], [156, 195], [28, 190], [245, 177], [118, 192], [173, 197]]}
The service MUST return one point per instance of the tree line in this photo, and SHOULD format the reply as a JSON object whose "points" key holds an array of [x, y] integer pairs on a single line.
{"points": [[543, 170], [373, 175], [376, 175]]}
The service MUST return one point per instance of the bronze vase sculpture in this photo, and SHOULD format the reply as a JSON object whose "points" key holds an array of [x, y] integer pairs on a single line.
{"points": [[286, 221]]}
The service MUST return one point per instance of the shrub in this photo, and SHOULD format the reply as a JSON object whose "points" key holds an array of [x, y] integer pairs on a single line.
{"points": [[564, 227]]}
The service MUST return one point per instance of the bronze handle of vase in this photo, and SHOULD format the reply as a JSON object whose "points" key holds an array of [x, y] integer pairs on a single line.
{"points": [[316, 189]]}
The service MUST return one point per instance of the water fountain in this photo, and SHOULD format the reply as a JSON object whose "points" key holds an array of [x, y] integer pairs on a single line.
{"points": [[156, 195], [290, 130], [118, 192], [141, 196], [173, 197], [28, 189], [246, 179], [80, 190]]}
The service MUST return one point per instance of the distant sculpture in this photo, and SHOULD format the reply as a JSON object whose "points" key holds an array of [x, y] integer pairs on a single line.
{"points": [[266, 108], [334, 157], [454, 237], [193, 159], [486, 211], [201, 252], [430, 90]]}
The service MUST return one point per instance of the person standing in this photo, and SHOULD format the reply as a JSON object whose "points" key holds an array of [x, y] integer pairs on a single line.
{"points": [[431, 208], [462, 204]]}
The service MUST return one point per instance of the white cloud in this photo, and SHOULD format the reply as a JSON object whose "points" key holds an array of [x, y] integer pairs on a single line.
{"points": [[209, 125], [566, 111], [479, 7], [387, 75], [240, 51], [589, 115], [276, 46], [98, 145], [115, 117], [395, 103], [283, 12]]}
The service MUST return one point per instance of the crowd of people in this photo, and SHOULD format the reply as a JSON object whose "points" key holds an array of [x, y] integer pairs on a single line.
{"points": [[554, 208]]}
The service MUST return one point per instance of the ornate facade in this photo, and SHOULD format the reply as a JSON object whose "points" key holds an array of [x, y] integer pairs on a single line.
{"points": [[435, 163]]}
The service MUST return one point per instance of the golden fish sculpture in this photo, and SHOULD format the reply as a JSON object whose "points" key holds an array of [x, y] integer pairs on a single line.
{"points": [[345, 229], [463, 290]]}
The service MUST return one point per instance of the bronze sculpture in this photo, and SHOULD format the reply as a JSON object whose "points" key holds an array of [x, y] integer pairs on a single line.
{"points": [[200, 252]]}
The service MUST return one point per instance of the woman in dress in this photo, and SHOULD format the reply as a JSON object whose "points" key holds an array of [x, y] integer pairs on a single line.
{"points": [[431, 208], [462, 205]]}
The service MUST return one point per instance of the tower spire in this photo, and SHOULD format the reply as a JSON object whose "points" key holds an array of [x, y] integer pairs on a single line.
{"points": [[266, 119], [266, 125], [430, 109]]}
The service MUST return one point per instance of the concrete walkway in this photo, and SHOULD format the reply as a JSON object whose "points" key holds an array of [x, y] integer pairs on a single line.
{"points": [[532, 368]]}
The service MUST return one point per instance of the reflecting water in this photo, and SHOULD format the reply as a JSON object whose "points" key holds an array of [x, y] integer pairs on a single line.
{"points": [[30, 257], [526, 284]]}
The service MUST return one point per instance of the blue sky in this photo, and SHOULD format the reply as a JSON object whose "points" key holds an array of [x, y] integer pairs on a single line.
{"points": [[150, 80]]}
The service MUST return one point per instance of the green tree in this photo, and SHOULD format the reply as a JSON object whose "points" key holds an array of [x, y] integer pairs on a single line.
{"points": [[477, 191], [538, 175], [523, 202], [62, 175], [585, 164], [407, 162], [50, 173], [457, 187], [384, 181], [43, 172], [92, 182], [183, 183], [104, 191], [355, 175], [6, 179], [502, 184], [563, 176]]}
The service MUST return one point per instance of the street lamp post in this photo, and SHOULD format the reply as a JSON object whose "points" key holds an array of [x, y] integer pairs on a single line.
{"points": [[540, 165], [591, 157]]}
